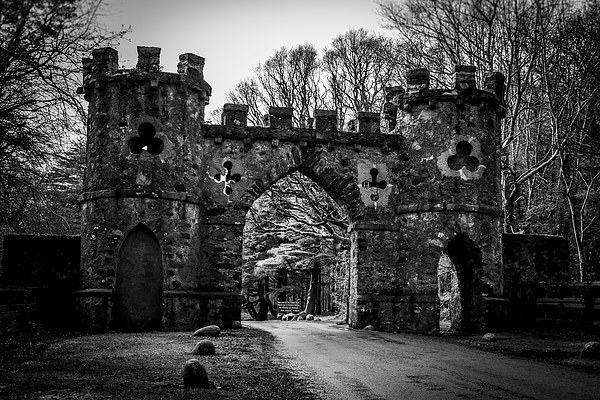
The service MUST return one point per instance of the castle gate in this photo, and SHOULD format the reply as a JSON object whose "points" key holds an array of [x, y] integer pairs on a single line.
{"points": [[151, 160]]}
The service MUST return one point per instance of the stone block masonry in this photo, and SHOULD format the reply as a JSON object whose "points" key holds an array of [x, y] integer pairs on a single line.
{"points": [[165, 197]]}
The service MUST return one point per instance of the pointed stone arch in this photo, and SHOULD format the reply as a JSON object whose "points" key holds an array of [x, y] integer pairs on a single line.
{"points": [[139, 282], [324, 168], [280, 277]]}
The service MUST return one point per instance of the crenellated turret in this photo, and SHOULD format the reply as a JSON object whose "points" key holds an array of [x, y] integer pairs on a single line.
{"points": [[453, 133], [141, 193], [143, 122]]}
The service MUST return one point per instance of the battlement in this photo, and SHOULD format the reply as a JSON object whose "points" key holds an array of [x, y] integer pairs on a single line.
{"points": [[396, 97], [418, 80], [104, 66], [279, 127], [465, 90], [280, 118]]}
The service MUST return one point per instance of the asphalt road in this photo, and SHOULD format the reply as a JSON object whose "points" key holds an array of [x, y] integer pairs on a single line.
{"points": [[356, 364]]}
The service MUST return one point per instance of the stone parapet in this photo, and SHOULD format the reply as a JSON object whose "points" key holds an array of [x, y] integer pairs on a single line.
{"points": [[469, 208]]}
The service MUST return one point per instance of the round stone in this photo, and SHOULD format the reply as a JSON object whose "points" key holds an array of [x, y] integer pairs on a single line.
{"points": [[236, 325], [591, 350], [489, 337], [369, 328], [204, 348], [195, 375]]}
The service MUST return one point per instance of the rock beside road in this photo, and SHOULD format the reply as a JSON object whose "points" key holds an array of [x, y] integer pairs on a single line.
{"points": [[489, 337], [288, 317], [591, 350], [369, 328], [210, 330]]}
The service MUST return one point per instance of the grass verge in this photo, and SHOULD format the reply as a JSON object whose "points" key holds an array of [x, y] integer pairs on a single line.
{"points": [[47, 365]]}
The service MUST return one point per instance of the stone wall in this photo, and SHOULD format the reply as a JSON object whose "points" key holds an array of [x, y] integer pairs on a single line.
{"points": [[539, 285], [45, 266], [533, 263]]}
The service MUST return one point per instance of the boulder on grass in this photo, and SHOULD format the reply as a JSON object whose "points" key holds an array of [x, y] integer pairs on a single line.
{"points": [[204, 348], [302, 314], [236, 325], [195, 375], [310, 317], [300, 318], [369, 328], [210, 330], [591, 350], [489, 337]]}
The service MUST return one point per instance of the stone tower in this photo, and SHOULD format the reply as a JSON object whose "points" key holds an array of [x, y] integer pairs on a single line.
{"points": [[141, 253], [450, 209]]}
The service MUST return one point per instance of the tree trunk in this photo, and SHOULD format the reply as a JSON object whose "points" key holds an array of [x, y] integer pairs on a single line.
{"points": [[313, 291], [263, 306]]}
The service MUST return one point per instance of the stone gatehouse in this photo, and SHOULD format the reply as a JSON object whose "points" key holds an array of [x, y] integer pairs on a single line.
{"points": [[165, 197]]}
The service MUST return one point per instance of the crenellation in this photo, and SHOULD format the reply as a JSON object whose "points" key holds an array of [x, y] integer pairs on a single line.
{"points": [[280, 117], [148, 59], [393, 100], [234, 115], [368, 122], [106, 61], [191, 65], [325, 120], [464, 77], [417, 80]]}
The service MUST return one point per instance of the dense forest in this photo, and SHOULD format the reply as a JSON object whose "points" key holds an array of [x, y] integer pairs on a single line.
{"points": [[549, 51]]}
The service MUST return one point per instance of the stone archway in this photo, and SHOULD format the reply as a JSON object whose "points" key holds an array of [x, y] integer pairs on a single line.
{"points": [[295, 264], [138, 288], [463, 258]]}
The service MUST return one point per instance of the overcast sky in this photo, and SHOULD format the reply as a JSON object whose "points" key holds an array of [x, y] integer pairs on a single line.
{"points": [[232, 35]]}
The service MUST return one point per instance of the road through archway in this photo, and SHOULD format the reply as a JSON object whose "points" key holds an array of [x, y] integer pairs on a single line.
{"points": [[357, 364]]}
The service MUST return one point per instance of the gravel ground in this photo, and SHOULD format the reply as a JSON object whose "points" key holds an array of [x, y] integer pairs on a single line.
{"points": [[47, 366]]}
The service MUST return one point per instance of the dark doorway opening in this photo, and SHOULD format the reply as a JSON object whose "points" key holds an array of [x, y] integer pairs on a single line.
{"points": [[459, 285]]}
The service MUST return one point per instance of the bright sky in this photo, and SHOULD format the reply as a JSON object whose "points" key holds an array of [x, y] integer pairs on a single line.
{"points": [[232, 35]]}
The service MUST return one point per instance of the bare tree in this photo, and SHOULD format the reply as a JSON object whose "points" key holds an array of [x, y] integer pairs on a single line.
{"points": [[42, 43], [289, 78], [359, 65], [571, 84]]}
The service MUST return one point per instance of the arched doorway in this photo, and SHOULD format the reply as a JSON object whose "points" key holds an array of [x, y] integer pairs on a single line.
{"points": [[459, 286], [138, 288]]}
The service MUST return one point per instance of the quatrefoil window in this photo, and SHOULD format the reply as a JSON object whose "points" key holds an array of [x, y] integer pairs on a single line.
{"points": [[463, 157], [146, 140]]}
